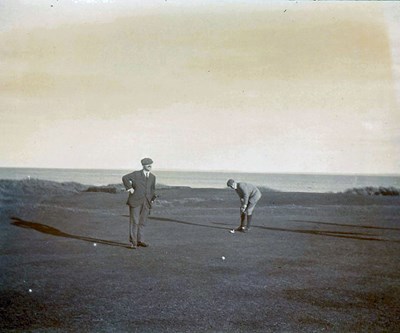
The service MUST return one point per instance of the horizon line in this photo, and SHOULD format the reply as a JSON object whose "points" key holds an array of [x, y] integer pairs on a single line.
{"points": [[220, 171]]}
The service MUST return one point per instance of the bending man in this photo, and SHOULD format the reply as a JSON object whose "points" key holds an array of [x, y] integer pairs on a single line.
{"points": [[249, 196]]}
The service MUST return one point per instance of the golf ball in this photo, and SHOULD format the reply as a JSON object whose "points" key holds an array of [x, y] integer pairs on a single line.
{"points": [[223, 258], [94, 244], [30, 290]]}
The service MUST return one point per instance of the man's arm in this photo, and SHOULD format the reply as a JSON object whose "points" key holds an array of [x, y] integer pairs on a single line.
{"points": [[153, 190], [245, 199], [129, 181]]}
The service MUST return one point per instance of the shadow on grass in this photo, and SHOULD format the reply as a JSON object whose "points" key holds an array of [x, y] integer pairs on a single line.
{"points": [[55, 232], [187, 223], [338, 234], [346, 225]]}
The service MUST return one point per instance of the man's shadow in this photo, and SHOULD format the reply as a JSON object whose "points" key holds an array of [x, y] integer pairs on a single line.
{"points": [[328, 233], [165, 219], [346, 225], [187, 223], [55, 232]]}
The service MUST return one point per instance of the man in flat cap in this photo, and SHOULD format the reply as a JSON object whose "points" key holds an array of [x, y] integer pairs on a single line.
{"points": [[249, 196], [141, 187]]}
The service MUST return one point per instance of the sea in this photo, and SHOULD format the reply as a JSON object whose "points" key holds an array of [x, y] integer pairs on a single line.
{"points": [[318, 183]]}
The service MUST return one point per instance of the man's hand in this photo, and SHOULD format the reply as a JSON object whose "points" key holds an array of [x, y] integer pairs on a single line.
{"points": [[243, 208], [131, 190]]}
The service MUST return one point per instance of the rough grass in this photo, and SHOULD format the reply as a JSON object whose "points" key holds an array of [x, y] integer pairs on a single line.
{"points": [[370, 190]]}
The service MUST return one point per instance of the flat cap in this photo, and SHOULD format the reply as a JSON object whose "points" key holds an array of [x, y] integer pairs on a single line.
{"points": [[230, 182], [146, 161]]}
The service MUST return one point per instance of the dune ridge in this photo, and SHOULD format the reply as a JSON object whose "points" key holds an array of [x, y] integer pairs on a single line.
{"points": [[30, 186]]}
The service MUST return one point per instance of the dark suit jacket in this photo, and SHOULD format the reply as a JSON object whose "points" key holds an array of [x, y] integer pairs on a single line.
{"points": [[144, 190]]}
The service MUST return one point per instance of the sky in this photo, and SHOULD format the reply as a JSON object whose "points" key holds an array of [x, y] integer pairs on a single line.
{"points": [[253, 86]]}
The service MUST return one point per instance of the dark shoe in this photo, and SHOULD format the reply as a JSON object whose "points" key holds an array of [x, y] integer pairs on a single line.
{"points": [[242, 219], [142, 244]]}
